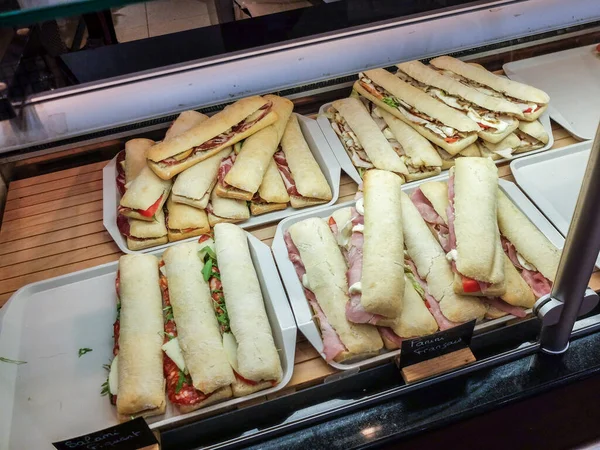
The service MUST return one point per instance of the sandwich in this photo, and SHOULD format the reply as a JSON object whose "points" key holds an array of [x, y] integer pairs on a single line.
{"points": [[440, 124], [431, 200], [532, 136], [234, 123], [194, 185], [426, 264], [252, 350], [475, 247], [184, 221], [372, 245], [364, 142], [229, 210], [131, 161], [196, 366], [141, 234], [135, 382], [415, 320], [242, 179], [496, 116], [185, 121], [300, 172], [416, 152], [531, 101], [145, 196], [272, 194], [529, 250], [503, 149], [320, 266]]}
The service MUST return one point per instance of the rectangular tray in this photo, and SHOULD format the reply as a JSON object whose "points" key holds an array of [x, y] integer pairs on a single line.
{"points": [[553, 180], [571, 79], [56, 395], [301, 308], [346, 163], [318, 146]]}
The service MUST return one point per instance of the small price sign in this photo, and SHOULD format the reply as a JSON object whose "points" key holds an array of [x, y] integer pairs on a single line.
{"points": [[132, 435], [428, 347]]}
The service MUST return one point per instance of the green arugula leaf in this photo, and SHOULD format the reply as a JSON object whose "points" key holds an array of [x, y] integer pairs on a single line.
{"points": [[105, 390], [12, 361], [416, 284], [180, 382], [207, 269], [361, 171], [390, 102], [168, 313], [210, 252], [118, 310], [83, 351]]}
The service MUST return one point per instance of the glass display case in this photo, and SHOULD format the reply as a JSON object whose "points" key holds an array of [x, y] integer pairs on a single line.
{"points": [[69, 115]]}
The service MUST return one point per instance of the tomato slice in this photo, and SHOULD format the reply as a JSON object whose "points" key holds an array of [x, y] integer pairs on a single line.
{"points": [[470, 285], [152, 210], [331, 221], [451, 140], [245, 380], [485, 127], [204, 237], [528, 110]]}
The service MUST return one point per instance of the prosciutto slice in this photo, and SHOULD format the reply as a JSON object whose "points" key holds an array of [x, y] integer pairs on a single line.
{"points": [[539, 284], [123, 225], [286, 173], [121, 173], [389, 334], [332, 345], [500, 304], [224, 169], [425, 208]]}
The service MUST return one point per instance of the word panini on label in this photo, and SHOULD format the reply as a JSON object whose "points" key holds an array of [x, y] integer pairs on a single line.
{"points": [[131, 435], [421, 349]]}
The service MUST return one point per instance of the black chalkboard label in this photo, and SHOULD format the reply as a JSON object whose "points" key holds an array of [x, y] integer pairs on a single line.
{"points": [[423, 348], [131, 435]]}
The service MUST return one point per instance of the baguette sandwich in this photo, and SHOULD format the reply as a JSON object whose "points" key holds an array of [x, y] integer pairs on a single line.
{"points": [[320, 266], [531, 101], [475, 247], [300, 172], [145, 196], [185, 121], [439, 123], [272, 194], [141, 234], [242, 179], [431, 199], [416, 152], [503, 149], [196, 367], [194, 185], [228, 210], [136, 384], [532, 136], [496, 116], [364, 142], [184, 221], [249, 342], [234, 123], [372, 245]]}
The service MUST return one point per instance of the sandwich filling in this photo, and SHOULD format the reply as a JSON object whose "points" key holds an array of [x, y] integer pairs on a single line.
{"points": [[539, 284], [222, 139], [526, 106], [111, 388], [287, 177], [148, 212], [125, 230], [449, 134], [180, 388], [487, 120], [412, 165], [353, 147], [120, 179], [177, 230], [528, 143], [332, 344]]}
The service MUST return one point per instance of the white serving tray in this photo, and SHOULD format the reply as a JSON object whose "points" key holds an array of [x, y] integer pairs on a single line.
{"points": [[301, 308], [571, 78], [318, 146], [553, 180], [346, 163], [56, 395]]}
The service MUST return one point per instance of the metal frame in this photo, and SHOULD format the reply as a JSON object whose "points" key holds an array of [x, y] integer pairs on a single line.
{"points": [[84, 109]]}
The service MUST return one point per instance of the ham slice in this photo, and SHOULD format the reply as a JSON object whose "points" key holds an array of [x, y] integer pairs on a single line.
{"points": [[389, 334], [121, 173], [332, 345], [425, 208], [224, 168], [286, 173], [500, 304], [539, 284]]}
